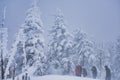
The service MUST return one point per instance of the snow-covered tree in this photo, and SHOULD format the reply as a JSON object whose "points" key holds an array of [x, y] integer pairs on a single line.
{"points": [[83, 49], [60, 45], [34, 40], [28, 49], [100, 62], [112, 52], [19, 57], [116, 60], [14, 57], [102, 59], [3, 45]]}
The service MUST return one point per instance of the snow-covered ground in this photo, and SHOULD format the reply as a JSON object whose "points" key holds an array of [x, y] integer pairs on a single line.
{"points": [[59, 77]]}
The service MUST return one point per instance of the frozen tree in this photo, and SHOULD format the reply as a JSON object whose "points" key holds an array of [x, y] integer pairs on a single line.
{"points": [[68, 66], [3, 45], [116, 60], [60, 44], [16, 55], [28, 49], [103, 58], [83, 50], [112, 58], [34, 43], [19, 57], [100, 61]]}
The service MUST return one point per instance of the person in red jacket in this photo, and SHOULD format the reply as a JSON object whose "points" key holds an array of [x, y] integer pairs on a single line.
{"points": [[78, 70]]}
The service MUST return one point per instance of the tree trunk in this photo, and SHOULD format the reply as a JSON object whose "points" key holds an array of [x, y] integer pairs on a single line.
{"points": [[2, 66], [100, 65], [83, 63], [14, 73]]}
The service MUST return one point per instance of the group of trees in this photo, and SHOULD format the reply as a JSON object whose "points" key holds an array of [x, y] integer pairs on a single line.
{"points": [[63, 53], [115, 59]]}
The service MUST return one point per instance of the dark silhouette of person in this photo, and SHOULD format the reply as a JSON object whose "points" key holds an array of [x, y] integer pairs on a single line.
{"points": [[84, 72], [94, 72], [78, 70], [23, 77], [108, 73]]}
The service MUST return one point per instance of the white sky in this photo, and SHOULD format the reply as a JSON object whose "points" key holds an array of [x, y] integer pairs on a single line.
{"points": [[99, 18]]}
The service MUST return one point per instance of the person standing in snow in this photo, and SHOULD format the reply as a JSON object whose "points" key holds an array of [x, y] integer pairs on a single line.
{"points": [[94, 72], [108, 73], [23, 77], [78, 70], [84, 72]]}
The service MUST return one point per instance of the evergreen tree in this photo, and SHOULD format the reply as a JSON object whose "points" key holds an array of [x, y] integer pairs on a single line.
{"points": [[83, 49], [29, 51], [112, 52], [103, 58], [59, 46], [3, 45], [116, 60]]}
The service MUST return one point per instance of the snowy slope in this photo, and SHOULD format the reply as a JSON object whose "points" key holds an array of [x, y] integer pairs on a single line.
{"points": [[58, 77]]}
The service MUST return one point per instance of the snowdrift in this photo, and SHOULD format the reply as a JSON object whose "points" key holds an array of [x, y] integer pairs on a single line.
{"points": [[58, 77]]}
